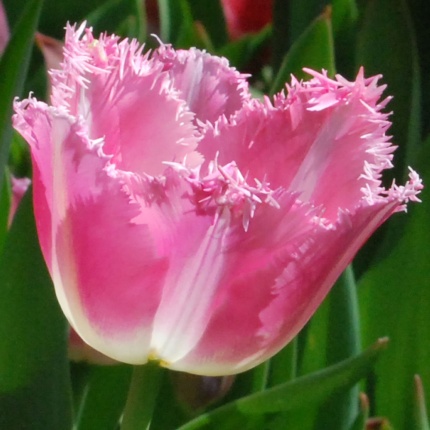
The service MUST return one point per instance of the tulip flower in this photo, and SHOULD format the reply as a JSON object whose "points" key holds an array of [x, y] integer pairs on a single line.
{"points": [[19, 188], [4, 29], [246, 16], [185, 222]]}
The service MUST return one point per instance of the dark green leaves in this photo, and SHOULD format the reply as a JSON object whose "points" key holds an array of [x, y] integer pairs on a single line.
{"points": [[34, 378], [13, 70], [298, 393], [313, 49]]}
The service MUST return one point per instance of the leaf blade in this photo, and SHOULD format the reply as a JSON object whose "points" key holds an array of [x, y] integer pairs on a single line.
{"points": [[13, 70], [34, 374], [309, 388]]}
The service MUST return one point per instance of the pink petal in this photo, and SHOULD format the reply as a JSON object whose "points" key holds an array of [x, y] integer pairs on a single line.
{"points": [[210, 87], [99, 260], [4, 29], [19, 188], [267, 295], [325, 151], [126, 99], [210, 259]]}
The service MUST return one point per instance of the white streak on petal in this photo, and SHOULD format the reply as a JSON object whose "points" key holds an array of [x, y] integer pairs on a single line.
{"points": [[183, 314]]}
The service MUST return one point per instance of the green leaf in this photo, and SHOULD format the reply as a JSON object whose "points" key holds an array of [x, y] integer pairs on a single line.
{"points": [[210, 15], [345, 15], [107, 17], [340, 410], [176, 23], [104, 397], [281, 32], [55, 14], [387, 46], [283, 366], [242, 51], [5, 200], [13, 69], [421, 419], [302, 13], [307, 389], [34, 373], [260, 375], [169, 26], [420, 11], [310, 357], [19, 156], [314, 49], [394, 301]]}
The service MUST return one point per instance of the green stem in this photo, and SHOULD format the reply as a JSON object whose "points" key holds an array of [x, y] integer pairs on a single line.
{"points": [[143, 392]]}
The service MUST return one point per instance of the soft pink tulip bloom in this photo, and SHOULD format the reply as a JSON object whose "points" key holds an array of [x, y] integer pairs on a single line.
{"points": [[19, 188], [246, 16], [4, 29], [183, 221]]}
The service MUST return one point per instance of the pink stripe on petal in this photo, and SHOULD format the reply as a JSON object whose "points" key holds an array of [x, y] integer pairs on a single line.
{"points": [[194, 275]]}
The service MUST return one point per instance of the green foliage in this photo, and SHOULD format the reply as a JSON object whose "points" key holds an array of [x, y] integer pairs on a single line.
{"points": [[34, 380], [313, 49], [386, 45], [13, 70], [394, 299], [295, 394], [5, 201], [104, 397]]}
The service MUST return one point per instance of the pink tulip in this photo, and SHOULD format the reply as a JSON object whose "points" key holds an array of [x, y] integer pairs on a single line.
{"points": [[19, 187], [246, 16], [4, 29], [182, 220]]}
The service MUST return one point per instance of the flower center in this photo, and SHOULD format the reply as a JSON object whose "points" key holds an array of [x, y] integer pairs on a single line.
{"points": [[226, 186]]}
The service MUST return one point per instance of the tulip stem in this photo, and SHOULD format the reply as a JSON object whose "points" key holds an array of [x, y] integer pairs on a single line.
{"points": [[142, 395]]}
